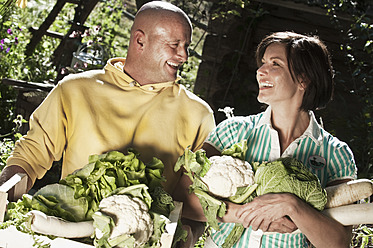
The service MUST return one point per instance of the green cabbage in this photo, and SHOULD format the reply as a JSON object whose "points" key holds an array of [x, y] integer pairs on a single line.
{"points": [[291, 176]]}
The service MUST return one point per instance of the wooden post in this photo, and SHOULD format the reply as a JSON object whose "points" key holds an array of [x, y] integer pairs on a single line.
{"points": [[19, 183], [38, 34], [3, 201]]}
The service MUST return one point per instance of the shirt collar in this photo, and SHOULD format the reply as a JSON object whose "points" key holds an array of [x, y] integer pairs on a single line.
{"points": [[266, 119], [312, 131]]}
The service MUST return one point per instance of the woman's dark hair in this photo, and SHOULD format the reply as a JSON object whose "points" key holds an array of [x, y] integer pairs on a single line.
{"points": [[309, 60]]}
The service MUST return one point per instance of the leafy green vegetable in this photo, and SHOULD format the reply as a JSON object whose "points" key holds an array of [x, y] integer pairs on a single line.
{"points": [[243, 194], [237, 150], [283, 175], [233, 236], [58, 200], [162, 202], [194, 163], [77, 197], [105, 223], [196, 166], [290, 175], [212, 207]]}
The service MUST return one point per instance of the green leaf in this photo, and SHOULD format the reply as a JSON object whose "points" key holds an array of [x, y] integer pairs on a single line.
{"points": [[290, 175], [237, 150], [58, 200], [212, 208], [243, 193], [233, 236]]}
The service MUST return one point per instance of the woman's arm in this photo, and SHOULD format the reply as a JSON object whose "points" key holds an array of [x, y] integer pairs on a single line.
{"points": [[321, 230]]}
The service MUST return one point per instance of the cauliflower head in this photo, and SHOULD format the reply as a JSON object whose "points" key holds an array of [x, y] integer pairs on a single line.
{"points": [[130, 215], [226, 174]]}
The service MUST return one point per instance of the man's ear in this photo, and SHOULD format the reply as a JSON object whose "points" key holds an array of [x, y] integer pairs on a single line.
{"points": [[139, 39]]}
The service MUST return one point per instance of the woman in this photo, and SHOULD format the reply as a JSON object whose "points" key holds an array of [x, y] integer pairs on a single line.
{"points": [[295, 78]]}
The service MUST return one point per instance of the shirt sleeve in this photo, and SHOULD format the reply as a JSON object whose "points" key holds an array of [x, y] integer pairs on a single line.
{"points": [[229, 132], [341, 161], [45, 141], [208, 124]]}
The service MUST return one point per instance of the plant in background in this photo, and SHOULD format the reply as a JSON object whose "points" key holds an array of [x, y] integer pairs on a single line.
{"points": [[91, 52], [115, 20], [14, 64], [11, 37], [7, 141], [358, 47]]}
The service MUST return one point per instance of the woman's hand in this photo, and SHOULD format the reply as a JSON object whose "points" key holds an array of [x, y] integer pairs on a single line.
{"points": [[282, 225], [268, 212]]}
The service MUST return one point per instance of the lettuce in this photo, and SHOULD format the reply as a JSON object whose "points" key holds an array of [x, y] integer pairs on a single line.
{"points": [[77, 196]]}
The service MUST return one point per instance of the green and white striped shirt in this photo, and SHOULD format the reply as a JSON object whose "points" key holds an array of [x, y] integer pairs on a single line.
{"points": [[326, 156]]}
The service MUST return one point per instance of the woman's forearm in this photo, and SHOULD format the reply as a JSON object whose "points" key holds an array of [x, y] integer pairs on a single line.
{"points": [[321, 230]]}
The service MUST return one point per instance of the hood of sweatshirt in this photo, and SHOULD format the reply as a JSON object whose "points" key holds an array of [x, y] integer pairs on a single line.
{"points": [[123, 80]]}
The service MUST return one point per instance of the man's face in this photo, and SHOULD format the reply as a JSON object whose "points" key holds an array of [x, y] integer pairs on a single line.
{"points": [[166, 49]]}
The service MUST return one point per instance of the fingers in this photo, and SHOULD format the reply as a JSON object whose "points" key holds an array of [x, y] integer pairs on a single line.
{"points": [[282, 225], [244, 210], [256, 219], [266, 213]]}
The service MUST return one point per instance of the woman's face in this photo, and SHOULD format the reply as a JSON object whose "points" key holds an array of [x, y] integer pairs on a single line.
{"points": [[276, 85]]}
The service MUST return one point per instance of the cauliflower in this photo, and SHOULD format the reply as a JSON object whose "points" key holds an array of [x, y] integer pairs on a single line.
{"points": [[226, 174], [131, 217]]}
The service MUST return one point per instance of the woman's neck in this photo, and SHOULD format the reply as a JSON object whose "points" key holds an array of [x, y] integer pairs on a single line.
{"points": [[290, 125]]}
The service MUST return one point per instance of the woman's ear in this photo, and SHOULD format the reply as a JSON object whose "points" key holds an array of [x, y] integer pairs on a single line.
{"points": [[303, 83]]}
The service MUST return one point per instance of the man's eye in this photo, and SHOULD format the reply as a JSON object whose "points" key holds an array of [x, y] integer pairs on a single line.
{"points": [[174, 45]]}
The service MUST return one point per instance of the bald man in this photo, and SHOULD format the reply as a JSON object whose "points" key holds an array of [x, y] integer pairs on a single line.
{"points": [[134, 102]]}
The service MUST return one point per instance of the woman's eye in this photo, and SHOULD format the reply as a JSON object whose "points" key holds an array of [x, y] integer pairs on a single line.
{"points": [[275, 63]]}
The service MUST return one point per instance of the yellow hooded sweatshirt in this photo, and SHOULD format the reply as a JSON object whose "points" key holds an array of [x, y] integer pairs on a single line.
{"points": [[103, 110]]}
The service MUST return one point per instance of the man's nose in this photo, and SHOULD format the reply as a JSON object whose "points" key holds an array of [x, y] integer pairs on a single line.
{"points": [[182, 53]]}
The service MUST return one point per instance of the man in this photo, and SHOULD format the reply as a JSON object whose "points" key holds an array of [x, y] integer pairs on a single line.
{"points": [[133, 102]]}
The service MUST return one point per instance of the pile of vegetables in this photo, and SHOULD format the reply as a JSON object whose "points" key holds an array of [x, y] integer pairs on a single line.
{"points": [[281, 175], [113, 190], [209, 175]]}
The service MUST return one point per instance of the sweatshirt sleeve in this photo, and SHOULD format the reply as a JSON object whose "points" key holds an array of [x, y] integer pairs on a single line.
{"points": [[207, 125], [45, 140]]}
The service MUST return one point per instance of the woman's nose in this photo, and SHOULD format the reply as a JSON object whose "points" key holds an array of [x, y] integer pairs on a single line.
{"points": [[261, 70]]}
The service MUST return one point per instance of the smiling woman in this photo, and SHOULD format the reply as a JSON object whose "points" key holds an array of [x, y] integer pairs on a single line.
{"points": [[308, 62], [295, 78]]}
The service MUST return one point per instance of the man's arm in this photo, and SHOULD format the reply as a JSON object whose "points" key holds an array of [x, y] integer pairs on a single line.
{"points": [[10, 171]]}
